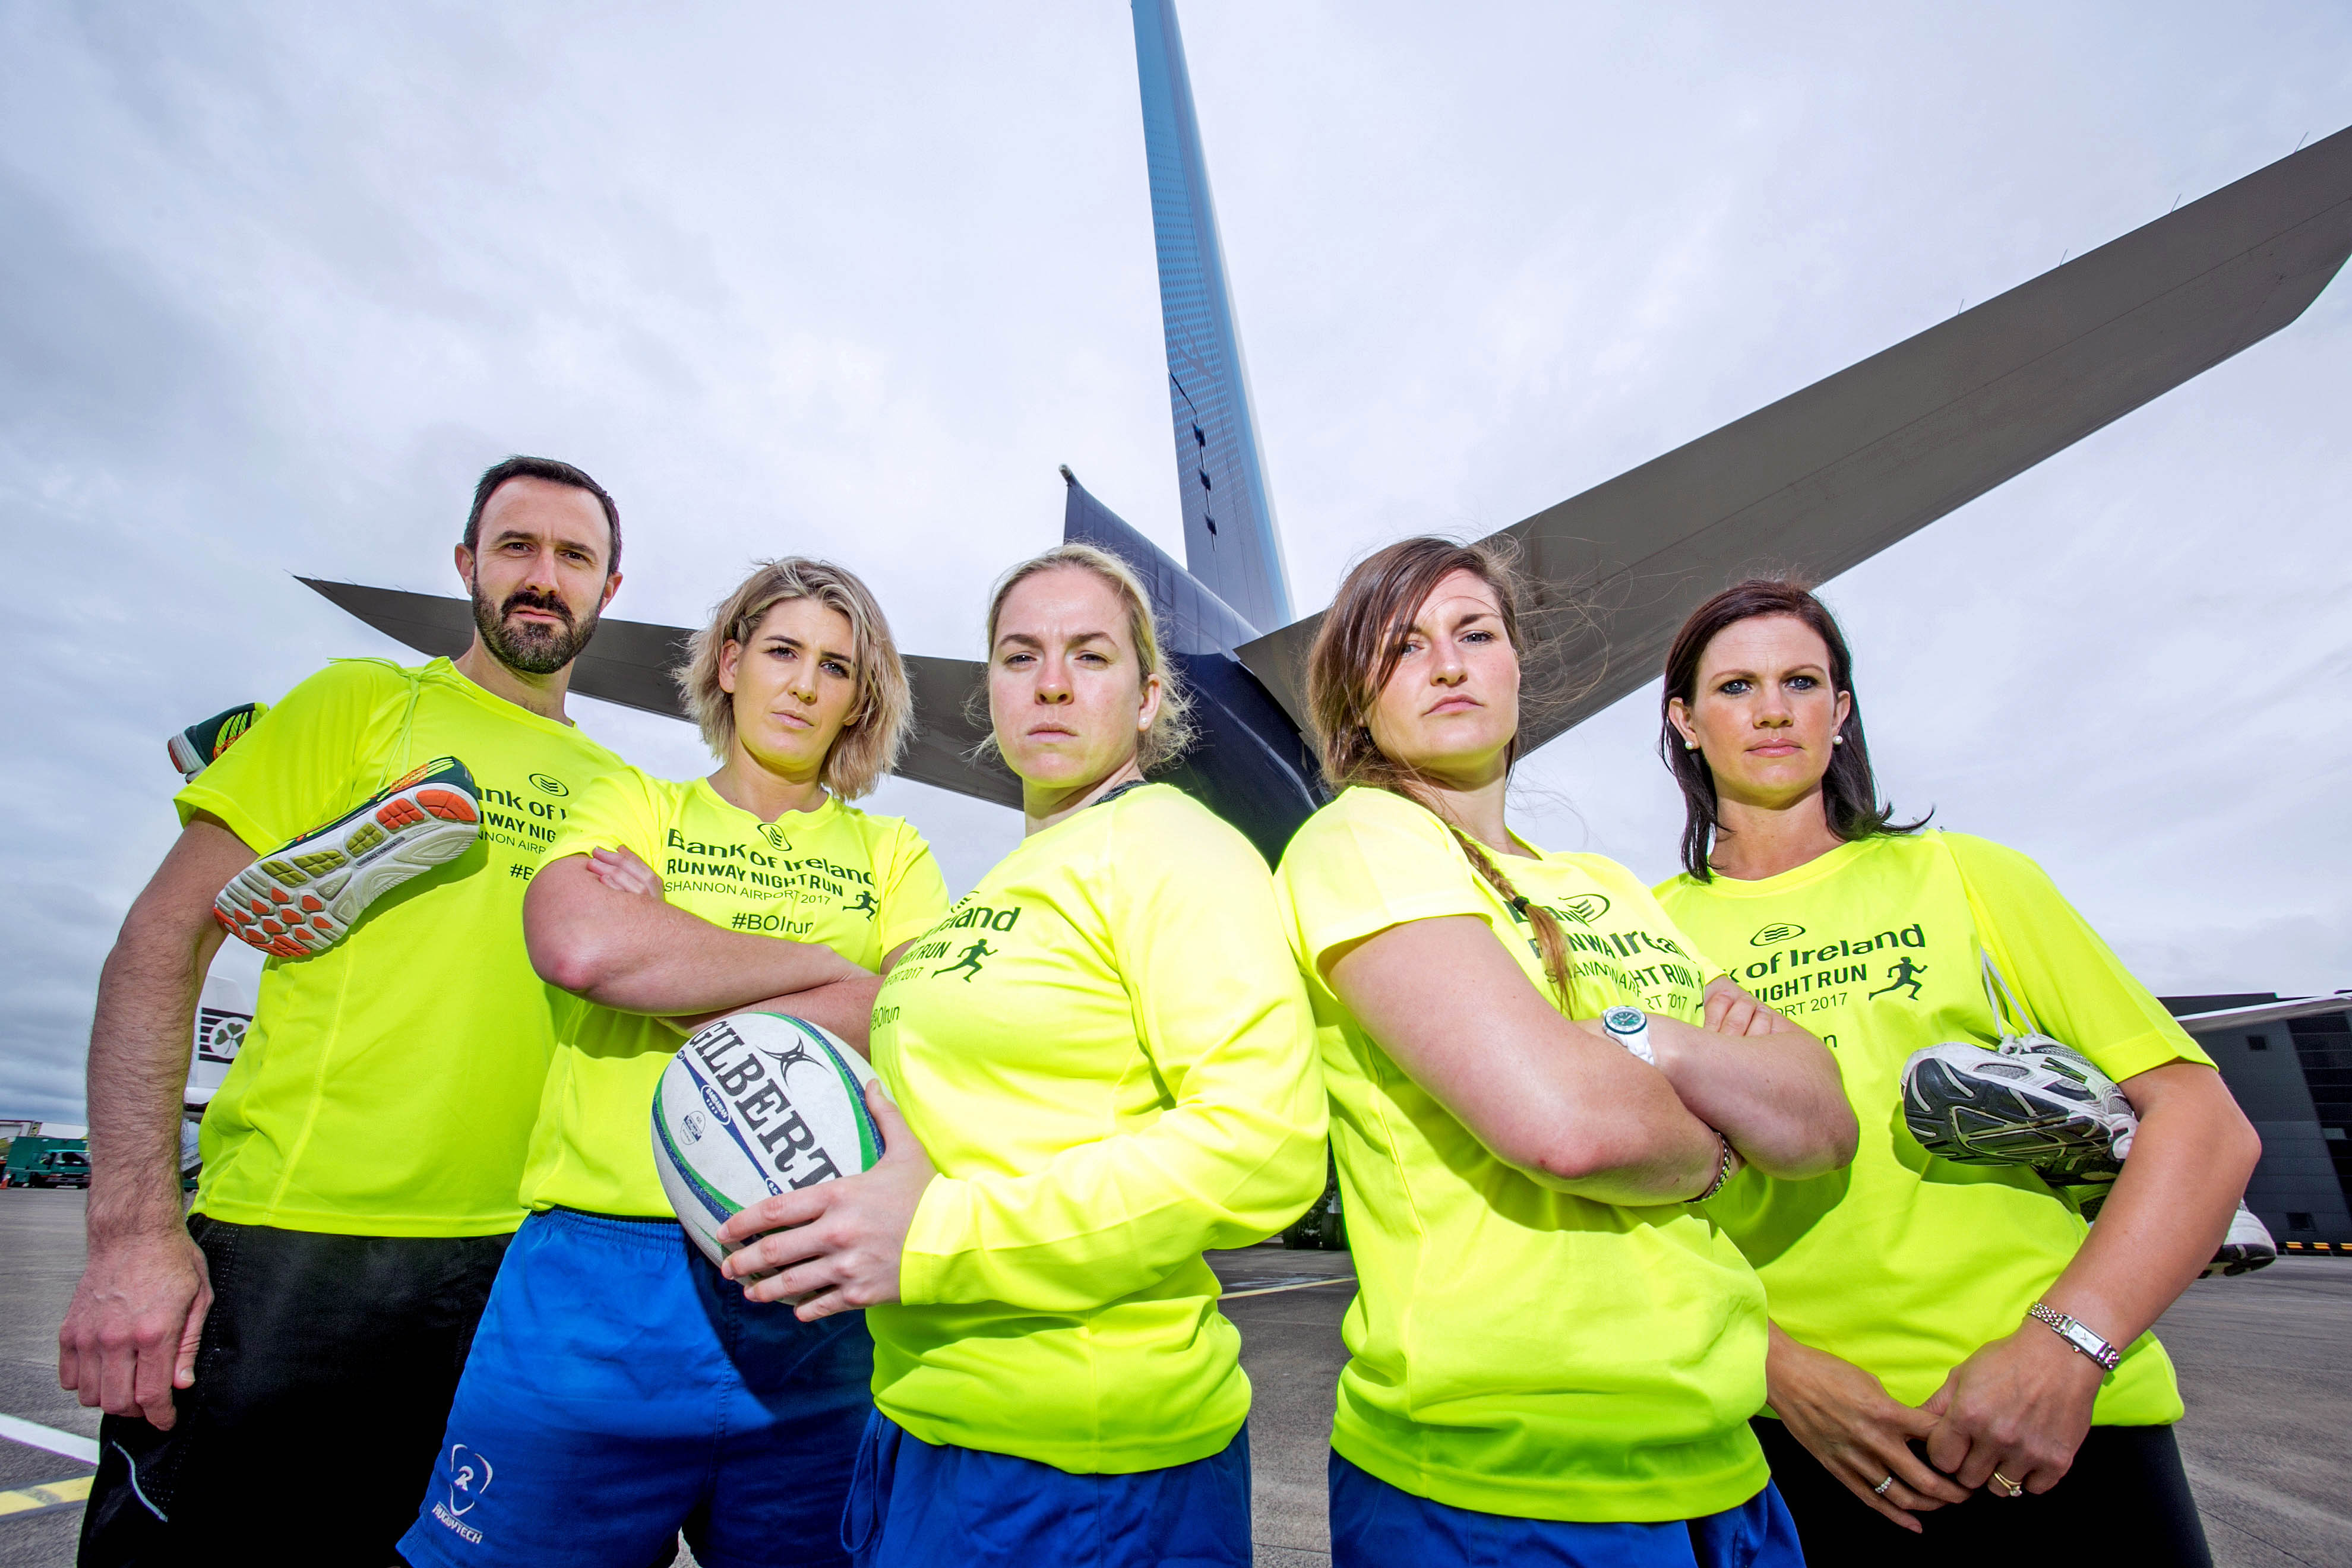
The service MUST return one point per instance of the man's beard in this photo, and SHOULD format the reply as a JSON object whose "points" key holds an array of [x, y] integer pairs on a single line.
{"points": [[530, 648]]}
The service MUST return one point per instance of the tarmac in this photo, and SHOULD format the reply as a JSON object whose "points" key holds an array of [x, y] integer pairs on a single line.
{"points": [[2266, 1366]]}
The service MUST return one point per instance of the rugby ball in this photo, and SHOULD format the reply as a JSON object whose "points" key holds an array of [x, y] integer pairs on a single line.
{"points": [[754, 1105]]}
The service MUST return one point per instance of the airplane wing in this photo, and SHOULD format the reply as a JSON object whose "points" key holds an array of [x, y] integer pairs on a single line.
{"points": [[629, 662], [1830, 476], [948, 693]]}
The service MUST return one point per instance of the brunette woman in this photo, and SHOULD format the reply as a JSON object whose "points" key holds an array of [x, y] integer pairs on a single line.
{"points": [[1554, 1352], [1950, 1355]]}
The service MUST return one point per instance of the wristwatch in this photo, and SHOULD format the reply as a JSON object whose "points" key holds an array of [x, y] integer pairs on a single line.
{"points": [[2076, 1335], [1630, 1027]]}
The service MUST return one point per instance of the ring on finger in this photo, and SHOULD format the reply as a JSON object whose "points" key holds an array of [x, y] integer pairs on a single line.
{"points": [[2013, 1488], [1880, 1490]]}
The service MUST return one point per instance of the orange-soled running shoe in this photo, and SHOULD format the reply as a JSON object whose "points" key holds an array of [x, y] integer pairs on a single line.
{"points": [[199, 746], [304, 897]]}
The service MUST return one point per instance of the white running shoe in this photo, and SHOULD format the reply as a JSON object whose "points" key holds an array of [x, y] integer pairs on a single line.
{"points": [[2248, 1247], [304, 898], [2032, 1102], [2035, 1103]]}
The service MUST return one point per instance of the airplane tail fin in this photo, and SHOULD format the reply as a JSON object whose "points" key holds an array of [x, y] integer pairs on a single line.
{"points": [[1230, 540]]}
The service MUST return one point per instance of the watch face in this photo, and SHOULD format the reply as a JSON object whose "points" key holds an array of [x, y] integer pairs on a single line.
{"points": [[1624, 1020], [2091, 1345]]}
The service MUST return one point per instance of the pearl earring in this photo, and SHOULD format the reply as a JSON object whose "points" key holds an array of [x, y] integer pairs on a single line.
{"points": [[1690, 745], [1837, 739]]}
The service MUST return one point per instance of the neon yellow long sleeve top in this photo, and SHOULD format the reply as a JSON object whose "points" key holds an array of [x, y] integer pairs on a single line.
{"points": [[1108, 1054]]}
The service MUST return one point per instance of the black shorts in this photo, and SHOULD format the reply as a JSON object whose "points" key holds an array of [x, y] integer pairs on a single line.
{"points": [[2125, 1500], [322, 1384]]}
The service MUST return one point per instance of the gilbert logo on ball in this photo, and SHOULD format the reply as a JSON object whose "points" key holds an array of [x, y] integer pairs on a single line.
{"points": [[754, 1105]]}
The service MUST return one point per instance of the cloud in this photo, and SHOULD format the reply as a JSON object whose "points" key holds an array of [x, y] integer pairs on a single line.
{"points": [[279, 281]]}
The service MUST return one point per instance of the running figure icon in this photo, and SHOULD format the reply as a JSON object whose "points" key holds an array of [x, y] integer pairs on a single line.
{"points": [[971, 960], [864, 905], [1902, 973]]}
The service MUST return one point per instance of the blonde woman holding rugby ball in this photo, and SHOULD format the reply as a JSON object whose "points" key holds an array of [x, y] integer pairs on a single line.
{"points": [[619, 1389], [1555, 1351], [1106, 1056]]}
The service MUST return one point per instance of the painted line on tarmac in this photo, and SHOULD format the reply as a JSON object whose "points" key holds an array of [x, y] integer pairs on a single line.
{"points": [[1277, 1289], [41, 1498], [34, 1436]]}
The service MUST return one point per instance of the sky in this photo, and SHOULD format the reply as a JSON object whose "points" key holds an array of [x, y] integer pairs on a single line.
{"points": [[279, 281]]}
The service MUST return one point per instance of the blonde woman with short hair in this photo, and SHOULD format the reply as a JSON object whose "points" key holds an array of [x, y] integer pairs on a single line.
{"points": [[619, 1390], [1105, 1065]]}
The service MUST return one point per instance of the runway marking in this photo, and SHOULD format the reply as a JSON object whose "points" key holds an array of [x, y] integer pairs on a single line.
{"points": [[1295, 1285], [50, 1495], [35, 1436]]}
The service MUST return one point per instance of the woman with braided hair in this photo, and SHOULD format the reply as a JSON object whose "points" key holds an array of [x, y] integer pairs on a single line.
{"points": [[1536, 1082]]}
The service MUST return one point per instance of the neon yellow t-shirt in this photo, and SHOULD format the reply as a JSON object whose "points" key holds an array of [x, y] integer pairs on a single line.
{"points": [[1106, 1052], [388, 1084], [857, 884], [1904, 1263], [1516, 1350]]}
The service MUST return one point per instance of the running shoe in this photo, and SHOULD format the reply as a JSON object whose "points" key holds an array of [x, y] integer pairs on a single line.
{"points": [[2032, 1102], [2248, 1247], [199, 746], [2037, 1104], [305, 896]]}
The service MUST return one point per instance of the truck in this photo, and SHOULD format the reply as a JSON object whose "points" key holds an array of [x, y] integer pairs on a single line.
{"points": [[47, 1162]]}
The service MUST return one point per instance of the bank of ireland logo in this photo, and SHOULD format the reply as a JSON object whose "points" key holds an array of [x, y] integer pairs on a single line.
{"points": [[1774, 935], [1585, 907], [775, 837], [548, 784], [470, 1477]]}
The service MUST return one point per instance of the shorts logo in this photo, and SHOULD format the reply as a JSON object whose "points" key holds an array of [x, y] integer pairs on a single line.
{"points": [[470, 1477], [549, 785], [718, 1106], [1774, 935]]}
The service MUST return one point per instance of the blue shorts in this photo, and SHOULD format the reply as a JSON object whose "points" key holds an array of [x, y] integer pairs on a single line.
{"points": [[917, 1505], [1376, 1525], [619, 1390]]}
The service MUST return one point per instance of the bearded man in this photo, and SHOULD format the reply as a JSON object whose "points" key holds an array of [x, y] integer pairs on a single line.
{"points": [[278, 1366]]}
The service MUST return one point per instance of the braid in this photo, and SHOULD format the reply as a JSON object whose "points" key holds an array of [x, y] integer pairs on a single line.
{"points": [[1550, 938]]}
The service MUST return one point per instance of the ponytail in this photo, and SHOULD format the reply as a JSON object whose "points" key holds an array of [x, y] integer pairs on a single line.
{"points": [[1550, 940]]}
